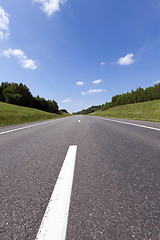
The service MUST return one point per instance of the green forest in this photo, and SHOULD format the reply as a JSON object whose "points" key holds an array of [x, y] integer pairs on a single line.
{"points": [[20, 95]]}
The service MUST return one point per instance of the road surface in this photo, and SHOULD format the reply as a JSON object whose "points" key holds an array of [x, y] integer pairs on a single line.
{"points": [[115, 193]]}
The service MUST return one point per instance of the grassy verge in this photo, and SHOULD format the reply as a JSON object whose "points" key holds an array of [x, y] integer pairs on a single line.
{"points": [[12, 114], [146, 111]]}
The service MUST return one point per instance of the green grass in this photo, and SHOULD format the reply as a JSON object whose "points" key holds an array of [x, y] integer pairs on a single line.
{"points": [[146, 111], [12, 114]]}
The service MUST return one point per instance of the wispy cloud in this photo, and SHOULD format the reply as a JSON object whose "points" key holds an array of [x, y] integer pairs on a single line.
{"points": [[67, 100], [157, 82], [92, 91], [50, 6], [4, 24], [80, 83], [23, 59], [97, 81], [127, 60], [103, 63]]}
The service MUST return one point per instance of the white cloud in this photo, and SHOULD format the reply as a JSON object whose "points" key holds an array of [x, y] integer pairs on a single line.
{"points": [[92, 91], [127, 60], [24, 60], [4, 22], [103, 63], [67, 100], [80, 83], [157, 82], [97, 81], [50, 6]]}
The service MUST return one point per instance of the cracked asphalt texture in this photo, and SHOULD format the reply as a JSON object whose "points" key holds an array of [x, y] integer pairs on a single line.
{"points": [[115, 194]]}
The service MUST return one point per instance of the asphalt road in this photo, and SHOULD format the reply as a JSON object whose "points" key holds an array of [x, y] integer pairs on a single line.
{"points": [[115, 193]]}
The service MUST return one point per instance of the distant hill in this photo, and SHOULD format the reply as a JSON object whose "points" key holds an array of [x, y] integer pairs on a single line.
{"points": [[141, 104], [11, 114], [137, 96], [145, 111]]}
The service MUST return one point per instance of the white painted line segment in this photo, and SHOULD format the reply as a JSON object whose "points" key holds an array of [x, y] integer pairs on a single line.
{"points": [[34, 125], [54, 223], [132, 124]]}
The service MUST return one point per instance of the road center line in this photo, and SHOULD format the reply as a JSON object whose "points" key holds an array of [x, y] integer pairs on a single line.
{"points": [[54, 223], [132, 124]]}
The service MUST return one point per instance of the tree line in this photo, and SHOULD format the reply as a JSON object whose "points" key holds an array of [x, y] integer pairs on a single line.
{"points": [[137, 96], [20, 94]]}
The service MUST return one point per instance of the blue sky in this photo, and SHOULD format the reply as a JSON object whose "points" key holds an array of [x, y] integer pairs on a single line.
{"points": [[80, 52]]}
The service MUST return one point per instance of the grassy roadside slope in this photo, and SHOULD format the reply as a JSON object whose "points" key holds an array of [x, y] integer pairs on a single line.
{"points": [[146, 111], [12, 114]]}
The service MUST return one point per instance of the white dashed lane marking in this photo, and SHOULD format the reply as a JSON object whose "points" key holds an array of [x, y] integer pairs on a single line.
{"points": [[54, 223]]}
